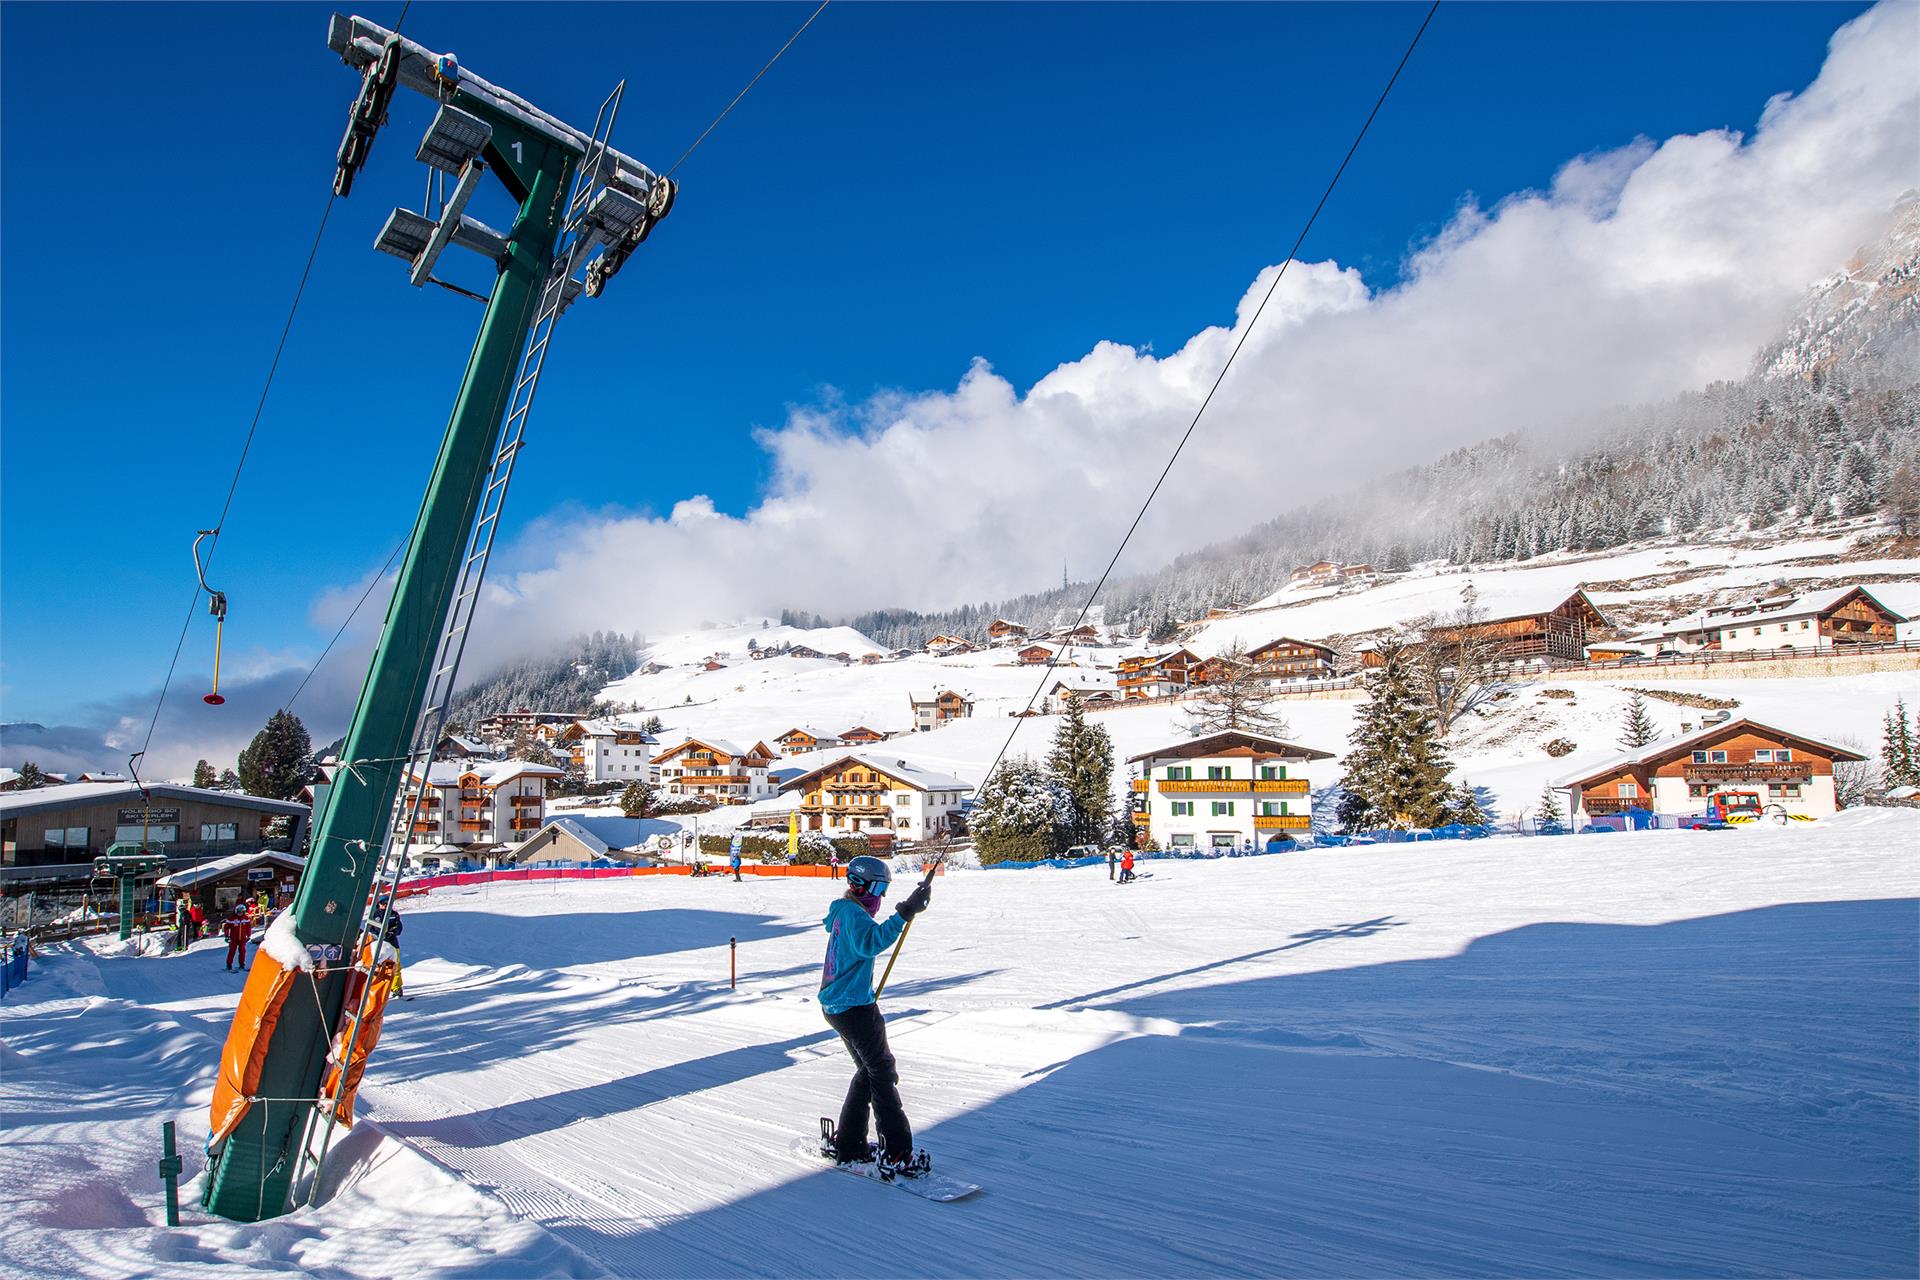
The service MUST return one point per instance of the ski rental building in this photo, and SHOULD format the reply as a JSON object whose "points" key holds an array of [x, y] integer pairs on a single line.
{"points": [[1683, 775], [1231, 790]]}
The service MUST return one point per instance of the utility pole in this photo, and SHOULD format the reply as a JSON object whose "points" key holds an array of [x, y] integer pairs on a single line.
{"points": [[582, 209]]}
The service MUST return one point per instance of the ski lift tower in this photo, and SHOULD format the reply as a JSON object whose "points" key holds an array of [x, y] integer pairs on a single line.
{"points": [[583, 208]]}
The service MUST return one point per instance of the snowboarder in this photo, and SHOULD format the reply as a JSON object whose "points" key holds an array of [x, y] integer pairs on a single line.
{"points": [[833, 864], [733, 860], [1126, 868], [238, 929], [854, 938]]}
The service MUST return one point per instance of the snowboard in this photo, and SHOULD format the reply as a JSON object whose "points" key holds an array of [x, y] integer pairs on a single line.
{"points": [[928, 1186]]}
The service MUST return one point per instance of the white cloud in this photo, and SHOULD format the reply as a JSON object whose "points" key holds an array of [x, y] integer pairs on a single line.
{"points": [[1640, 272]]}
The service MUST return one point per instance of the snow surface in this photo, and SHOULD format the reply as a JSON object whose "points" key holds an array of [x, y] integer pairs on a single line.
{"points": [[1661, 1053]]}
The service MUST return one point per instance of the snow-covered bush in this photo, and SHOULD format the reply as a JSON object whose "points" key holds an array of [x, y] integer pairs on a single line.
{"points": [[1022, 814]]}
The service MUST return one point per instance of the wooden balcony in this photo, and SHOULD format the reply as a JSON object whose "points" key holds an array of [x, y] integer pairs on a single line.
{"points": [[474, 824], [1141, 819], [1749, 771], [1614, 804], [1281, 822], [521, 802], [713, 779], [1138, 784], [1282, 786], [1172, 786], [526, 824]]}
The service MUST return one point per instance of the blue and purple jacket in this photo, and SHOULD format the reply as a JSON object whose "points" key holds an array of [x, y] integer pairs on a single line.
{"points": [[854, 938]]}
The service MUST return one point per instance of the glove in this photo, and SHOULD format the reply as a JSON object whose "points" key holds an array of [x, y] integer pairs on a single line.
{"points": [[914, 903]]}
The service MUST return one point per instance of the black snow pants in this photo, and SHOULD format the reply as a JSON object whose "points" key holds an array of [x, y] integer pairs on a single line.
{"points": [[876, 1083]]}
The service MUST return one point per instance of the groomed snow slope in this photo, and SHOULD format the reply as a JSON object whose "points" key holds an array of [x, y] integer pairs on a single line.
{"points": [[1666, 1053]]}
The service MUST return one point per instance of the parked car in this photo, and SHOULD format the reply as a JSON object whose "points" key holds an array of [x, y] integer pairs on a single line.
{"points": [[1668, 655]]}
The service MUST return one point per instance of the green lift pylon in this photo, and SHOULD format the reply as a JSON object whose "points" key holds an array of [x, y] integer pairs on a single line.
{"points": [[583, 208]]}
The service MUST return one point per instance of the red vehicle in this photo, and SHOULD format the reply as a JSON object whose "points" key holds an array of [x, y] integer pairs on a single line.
{"points": [[1725, 808]]}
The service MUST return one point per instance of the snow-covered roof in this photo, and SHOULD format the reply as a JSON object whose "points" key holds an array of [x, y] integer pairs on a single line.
{"points": [[1667, 747], [725, 746], [472, 745], [70, 794], [1803, 605], [808, 730], [604, 833], [221, 867], [912, 775], [1214, 743], [447, 773]]}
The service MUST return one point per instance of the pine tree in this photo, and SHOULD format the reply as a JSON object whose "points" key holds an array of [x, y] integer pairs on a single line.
{"points": [[1081, 760], [1463, 807], [1899, 750], [637, 800], [229, 781], [1020, 814], [1396, 771], [1240, 701], [272, 764], [203, 775], [1636, 726], [31, 776], [653, 724], [1548, 812]]}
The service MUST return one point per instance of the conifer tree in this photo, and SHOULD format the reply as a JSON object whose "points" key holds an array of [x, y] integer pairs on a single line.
{"points": [[1463, 807], [1548, 811], [1020, 814], [637, 800], [31, 777], [1397, 770], [273, 764], [1899, 762], [203, 775], [1636, 726], [1081, 760]]}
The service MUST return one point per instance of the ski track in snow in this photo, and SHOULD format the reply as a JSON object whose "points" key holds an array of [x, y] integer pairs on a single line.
{"points": [[1673, 1053]]}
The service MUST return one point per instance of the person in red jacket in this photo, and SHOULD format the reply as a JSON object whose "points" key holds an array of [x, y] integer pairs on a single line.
{"points": [[197, 921], [239, 928], [1126, 867]]}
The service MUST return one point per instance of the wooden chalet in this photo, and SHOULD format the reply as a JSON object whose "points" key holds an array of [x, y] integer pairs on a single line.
{"points": [[861, 736], [1213, 670], [804, 738], [1002, 632], [1556, 633], [1290, 659], [1155, 675], [1684, 774], [1035, 655]]}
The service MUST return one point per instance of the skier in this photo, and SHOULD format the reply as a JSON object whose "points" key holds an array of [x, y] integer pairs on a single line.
{"points": [[390, 936], [733, 860], [238, 929], [196, 921], [181, 920], [1111, 859], [1126, 868], [854, 938]]}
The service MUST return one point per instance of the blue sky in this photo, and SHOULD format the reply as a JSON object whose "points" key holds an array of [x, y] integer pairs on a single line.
{"points": [[912, 187]]}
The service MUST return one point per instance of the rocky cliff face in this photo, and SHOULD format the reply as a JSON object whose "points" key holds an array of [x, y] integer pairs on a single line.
{"points": [[1866, 317]]}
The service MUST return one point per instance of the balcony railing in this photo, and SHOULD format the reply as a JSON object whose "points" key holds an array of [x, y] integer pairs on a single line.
{"points": [[1284, 786], [473, 824], [1142, 819], [1139, 784], [526, 824], [1174, 785], [1281, 822], [714, 779], [1614, 804], [1748, 771], [521, 802]]}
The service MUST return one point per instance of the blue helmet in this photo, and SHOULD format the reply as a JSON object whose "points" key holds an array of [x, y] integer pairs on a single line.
{"points": [[867, 874]]}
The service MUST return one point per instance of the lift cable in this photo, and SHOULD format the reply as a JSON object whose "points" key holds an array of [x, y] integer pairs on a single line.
{"points": [[743, 93], [246, 447], [378, 578], [1246, 332]]}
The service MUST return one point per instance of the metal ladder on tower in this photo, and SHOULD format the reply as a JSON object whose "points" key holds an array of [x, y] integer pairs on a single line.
{"points": [[559, 290]]}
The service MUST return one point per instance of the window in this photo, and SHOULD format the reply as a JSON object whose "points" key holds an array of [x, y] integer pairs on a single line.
{"points": [[1699, 790], [1762, 756], [1183, 808], [1783, 626], [1179, 772], [1223, 808], [903, 799], [213, 832], [1272, 771], [1273, 808], [1699, 757], [1803, 624], [1789, 790], [1629, 790], [1781, 755], [1217, 771], [68, 837], [152, 835], [1181, 842]]}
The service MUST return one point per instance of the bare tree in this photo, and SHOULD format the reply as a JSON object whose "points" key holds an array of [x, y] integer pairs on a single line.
{"points": [[1241, 699], [1856, 782], [1455, 667]]}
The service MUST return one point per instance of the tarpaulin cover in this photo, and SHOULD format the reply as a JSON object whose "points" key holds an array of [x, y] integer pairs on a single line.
{"points": [[377, 992], [246, 1049]]}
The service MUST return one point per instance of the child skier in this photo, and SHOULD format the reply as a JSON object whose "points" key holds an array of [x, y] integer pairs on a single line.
{"points": [[854, 938], [1126, 867], [238, 929]]}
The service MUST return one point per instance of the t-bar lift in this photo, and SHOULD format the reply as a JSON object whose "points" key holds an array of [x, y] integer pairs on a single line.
{"points": [[583, 209]]}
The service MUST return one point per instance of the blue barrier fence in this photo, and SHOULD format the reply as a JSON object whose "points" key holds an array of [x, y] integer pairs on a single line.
{"points": [[13, 964], [1186, 855]]}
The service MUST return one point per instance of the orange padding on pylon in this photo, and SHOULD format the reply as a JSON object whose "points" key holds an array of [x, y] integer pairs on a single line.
{"points": [[363, 1043], [247, 1040]]}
